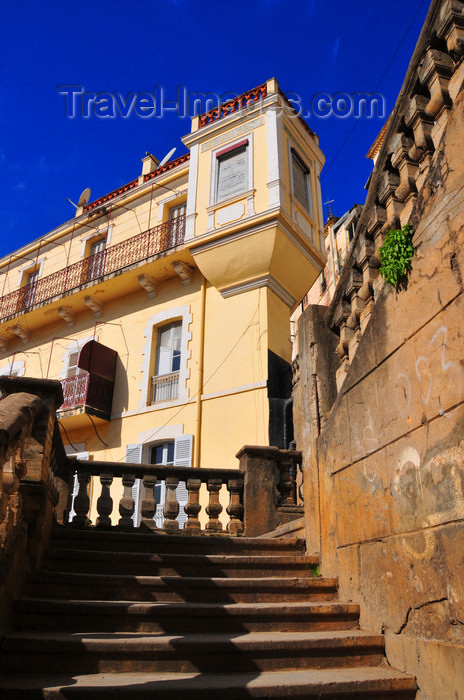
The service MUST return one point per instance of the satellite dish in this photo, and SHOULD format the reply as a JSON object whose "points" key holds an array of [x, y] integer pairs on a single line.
{"points": [[166, 158], [84, 198]]}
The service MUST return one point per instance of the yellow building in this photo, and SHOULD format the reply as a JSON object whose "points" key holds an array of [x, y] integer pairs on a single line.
{"points": [[164, 306]]}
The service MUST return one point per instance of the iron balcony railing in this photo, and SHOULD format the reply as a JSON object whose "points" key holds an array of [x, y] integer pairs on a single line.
{"points": [[90, 390], [116, 257], [165, 387]]}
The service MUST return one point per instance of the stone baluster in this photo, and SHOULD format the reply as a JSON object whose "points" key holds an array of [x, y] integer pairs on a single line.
{"points": [[193, 506], [301, 486], [293, 471], [421, 124], [285, 485], [406, 167], [451, 26], [214, 508], [105, 502], [388, 184], [341, 314], [82, 501], [423, 147], [353, 286], [148, 508], [235, 507], [171, 506], [369, 264], [435, 72], [126, 504]]}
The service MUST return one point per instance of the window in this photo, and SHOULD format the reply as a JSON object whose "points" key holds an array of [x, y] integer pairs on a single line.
{"points": [[323, 282], [176, 224], [177, 452], [351, 231], [175, 357], [232, 171], [30, 289], [162, 455], [165, 381], [177, 212], [96, 264], [13, 369], [301, 182], [72, 369]]}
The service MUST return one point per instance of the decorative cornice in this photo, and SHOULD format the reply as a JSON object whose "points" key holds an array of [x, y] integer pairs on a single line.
{"points": [[264, 281]]}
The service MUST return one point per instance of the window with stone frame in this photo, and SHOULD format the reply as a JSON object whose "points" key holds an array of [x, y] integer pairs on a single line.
{"points": [[301, 182], [165, 381], [232, 171]]}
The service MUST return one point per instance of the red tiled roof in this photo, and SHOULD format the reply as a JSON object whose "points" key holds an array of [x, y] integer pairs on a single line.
{"points": [[131, 185]]}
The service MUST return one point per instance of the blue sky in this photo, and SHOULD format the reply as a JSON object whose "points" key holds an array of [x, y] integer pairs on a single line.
{"points": [[310, 46]]}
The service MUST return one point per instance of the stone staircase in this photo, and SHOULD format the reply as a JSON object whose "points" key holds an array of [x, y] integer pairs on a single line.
{"points": [[203, 617]]}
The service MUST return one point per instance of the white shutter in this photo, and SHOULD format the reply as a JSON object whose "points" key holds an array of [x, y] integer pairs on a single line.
{"points": [[183, 451], [160, 495], [182, 458], [75, 491], [134, 456], [75, 487]]}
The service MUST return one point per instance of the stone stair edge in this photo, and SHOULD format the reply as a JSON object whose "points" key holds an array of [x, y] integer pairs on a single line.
{"points": [[185, 581], [150, 536], [320, 683], [130, 642], [199, 559]]}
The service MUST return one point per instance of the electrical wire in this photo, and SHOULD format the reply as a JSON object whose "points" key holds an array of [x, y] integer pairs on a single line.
{"points": [[348, 136], [67, 436], [96, 431]]}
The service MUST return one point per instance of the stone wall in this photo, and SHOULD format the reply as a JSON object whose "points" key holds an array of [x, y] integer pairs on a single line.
{"points": [[384, 479], [34, 481]]}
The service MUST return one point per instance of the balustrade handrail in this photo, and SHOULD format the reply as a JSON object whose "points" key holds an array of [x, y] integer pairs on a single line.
{"points": [[135, 249], [118, 469], [150, 475]]}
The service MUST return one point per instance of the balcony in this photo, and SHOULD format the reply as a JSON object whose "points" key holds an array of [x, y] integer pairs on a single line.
{"points": [[91, 391], [113, 259], [165, 387]]}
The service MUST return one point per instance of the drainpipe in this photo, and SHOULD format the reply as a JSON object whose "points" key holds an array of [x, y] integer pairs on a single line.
{"points": [[196, 462]]}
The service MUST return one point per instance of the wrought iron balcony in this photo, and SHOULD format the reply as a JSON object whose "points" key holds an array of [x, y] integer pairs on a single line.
{"points": [[165, 387], [136, 249], [88, 391], [92, 388]]}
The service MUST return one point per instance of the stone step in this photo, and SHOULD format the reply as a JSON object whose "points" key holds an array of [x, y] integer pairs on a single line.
{"points": [[145, 564], [366, 683], [180, 618], [154, 543], [84, 586], [208, 653], [293, 529]]}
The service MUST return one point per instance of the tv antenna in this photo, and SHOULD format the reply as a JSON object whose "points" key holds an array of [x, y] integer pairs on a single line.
{"points": [[83, 199], [165, 159], [159, 165], [329, 208]]}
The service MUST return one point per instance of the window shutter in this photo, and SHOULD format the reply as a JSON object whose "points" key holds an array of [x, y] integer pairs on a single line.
{"points": [[75, 487], [183, 451], [182, 458], [134, 456], [159, 496], [232, 174], [75, 491]]}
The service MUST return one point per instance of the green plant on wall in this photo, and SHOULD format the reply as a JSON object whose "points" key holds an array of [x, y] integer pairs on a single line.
{"points": [[396, 255]]}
